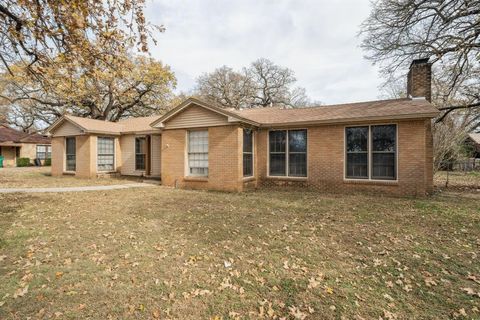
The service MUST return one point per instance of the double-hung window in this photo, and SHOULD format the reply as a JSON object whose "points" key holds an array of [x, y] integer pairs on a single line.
{"points": [[44, 152], [371, 152], [198, 153], [105, 154], [288, 153], [140, 152], [71, 152], [247, 152]]}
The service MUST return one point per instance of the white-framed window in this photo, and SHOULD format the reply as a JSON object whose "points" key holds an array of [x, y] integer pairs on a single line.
{"points": [[105, 154], [247, 152], [70, 153], [140, 153], [44, 152], [371, 152], [198, 153], [288, 153]]}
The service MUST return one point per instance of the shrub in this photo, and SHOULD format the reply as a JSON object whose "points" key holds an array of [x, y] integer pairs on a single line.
{"points": [[23, 162], [47, 162]]}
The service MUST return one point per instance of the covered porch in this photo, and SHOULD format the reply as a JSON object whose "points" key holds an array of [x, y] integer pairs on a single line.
{"points": [[10, 152]]}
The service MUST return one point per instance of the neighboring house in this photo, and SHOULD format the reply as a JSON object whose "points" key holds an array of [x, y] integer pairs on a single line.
{"points": [[16, 144], [473, 140], [381, 146]]}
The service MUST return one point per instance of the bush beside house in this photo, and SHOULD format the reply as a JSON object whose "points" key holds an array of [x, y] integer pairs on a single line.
{"points": [[23, 162]]}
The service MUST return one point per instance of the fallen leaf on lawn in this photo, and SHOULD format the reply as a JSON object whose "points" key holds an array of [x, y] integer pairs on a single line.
{"points": [[313, 283], [430, 282], [3, 257], [58, 274], [20, 292], [470, 291], [270, 311], [296, 313], [329, 290], [156, 314], [388, 297], [469, 277], [407, 288], [389, 315]]}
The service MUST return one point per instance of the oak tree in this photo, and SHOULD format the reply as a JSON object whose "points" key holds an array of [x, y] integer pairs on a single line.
{"points": [[447, 32]]}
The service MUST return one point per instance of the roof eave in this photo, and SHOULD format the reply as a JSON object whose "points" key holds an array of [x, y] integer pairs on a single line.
{"points": [[231, 116], [60, 120], [429, 115]]}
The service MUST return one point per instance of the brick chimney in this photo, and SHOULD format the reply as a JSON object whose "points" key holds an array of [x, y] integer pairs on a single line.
{"points": [[419, 80]]}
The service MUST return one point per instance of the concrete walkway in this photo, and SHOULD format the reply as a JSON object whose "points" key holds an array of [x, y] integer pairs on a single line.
{"points": [[76, 189]]}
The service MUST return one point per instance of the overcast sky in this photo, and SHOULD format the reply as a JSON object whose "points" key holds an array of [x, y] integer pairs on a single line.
{"points": [[317, 39]]}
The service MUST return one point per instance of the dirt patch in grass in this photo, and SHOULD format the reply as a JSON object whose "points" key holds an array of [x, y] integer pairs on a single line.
{"points": [[458, 180], [166, 253], [40, 177]]}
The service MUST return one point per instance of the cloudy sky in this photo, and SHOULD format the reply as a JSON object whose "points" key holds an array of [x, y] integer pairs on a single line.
{"points": [[316, 38]]}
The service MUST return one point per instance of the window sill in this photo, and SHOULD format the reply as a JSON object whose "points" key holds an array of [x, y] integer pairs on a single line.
{"points": [[69, 173], [287, 178], [196, 179], [250, 178], [371, 182]]}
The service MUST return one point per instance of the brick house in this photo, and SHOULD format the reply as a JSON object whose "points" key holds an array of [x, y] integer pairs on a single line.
{"points": [[16, 144], [382, 146]]}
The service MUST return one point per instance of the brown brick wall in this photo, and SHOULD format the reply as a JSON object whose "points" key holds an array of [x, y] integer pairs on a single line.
{"points": [[224, 156], [419, 81], [325, 160], [86, 153], [429, 156], [58, 156]]}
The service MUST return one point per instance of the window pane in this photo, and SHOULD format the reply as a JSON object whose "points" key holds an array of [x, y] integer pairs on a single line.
{"points": [[105, 154], [70, 145], [105, 162], [383, 138], [70, 154], [277, 141], [247, 164], [140, 148], [198, 153], [357, 165], [140, 145], [247, 140], [297, 165], [139, 162], [297, 141], [383, 166], [277, 164], [357, 139]]}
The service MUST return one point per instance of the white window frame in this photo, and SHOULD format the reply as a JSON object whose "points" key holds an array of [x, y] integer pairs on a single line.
{"points": [[252, 153], [135, 154], [187, 151], [47, 147], [114, 155], [370, 153], [286, 176], [65, 154]]}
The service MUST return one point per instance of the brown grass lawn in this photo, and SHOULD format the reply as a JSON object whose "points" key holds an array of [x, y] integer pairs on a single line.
{"points": [[166, 253], [39, 177]]}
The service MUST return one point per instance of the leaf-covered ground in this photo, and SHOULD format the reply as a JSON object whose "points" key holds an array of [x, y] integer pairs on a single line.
{"points": [[40, 177], [179, 254]]}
